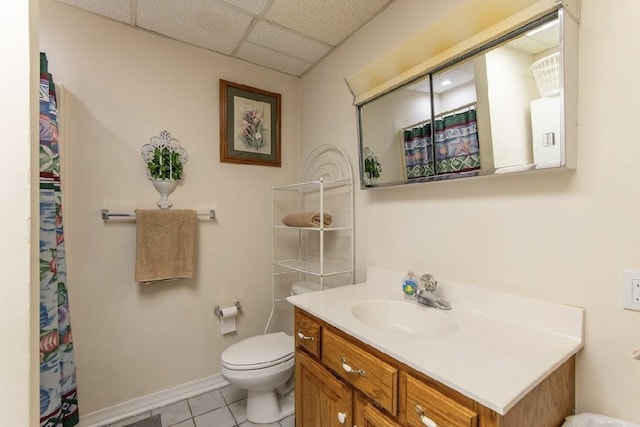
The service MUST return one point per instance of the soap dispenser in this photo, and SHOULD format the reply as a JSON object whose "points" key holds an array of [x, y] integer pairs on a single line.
{"points": [[409, 285]]}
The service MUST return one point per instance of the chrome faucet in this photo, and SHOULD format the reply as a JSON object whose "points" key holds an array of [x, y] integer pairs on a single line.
{"points": [[427, 293]]}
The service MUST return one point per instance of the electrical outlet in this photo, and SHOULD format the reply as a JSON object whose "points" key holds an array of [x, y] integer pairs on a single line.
{"points": [[631, 290]]}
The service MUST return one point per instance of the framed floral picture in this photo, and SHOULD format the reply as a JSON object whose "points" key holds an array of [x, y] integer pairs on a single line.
{"points": [[249, 125]]}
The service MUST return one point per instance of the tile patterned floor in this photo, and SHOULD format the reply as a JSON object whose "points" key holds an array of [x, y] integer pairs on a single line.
{"points": [[225, 407]]}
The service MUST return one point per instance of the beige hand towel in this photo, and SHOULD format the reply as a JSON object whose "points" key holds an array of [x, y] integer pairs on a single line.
{"points": [[165, 244], [306, 219]]}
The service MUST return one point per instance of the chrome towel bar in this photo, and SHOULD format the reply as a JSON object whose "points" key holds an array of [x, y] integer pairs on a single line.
{"points": [[107, 215]]}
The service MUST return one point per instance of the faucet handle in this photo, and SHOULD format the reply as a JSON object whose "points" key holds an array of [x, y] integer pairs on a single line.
{"points": [[428, 282]]}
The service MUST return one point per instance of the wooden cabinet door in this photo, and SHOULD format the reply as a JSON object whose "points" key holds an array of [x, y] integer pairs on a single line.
{"points": [[366, 415], [321, 399], [375, 418]]}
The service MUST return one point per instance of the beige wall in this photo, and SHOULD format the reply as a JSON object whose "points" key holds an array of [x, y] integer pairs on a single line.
{"points": [[18, 293], [563, 237], [558, 237], [123, 86]]}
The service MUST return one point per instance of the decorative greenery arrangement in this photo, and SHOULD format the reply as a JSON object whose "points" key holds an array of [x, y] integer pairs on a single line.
{"points": [[165, 158], [165, 164], [372, 165]]}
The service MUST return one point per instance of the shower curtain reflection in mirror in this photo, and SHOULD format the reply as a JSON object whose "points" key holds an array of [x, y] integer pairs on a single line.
{"points": [[456, 143], [452, 147]]}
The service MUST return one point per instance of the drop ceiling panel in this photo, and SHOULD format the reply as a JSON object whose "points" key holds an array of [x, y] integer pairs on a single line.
{"points": [[551, 37], [272, 59], [535, 42], [286, 35], [330, 21], [203, 23], [455, 78], [120, 10], [529, 46], [288, 42], [255, 7]]}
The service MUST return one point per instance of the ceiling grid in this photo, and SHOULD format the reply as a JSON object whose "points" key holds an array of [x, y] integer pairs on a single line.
{"points": [[289, 36]]}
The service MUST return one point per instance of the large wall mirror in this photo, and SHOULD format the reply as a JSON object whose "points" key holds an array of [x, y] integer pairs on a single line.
{"points": [[500, 108]]}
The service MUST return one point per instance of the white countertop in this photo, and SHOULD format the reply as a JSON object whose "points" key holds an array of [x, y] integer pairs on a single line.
{"points": [[503, 346]]}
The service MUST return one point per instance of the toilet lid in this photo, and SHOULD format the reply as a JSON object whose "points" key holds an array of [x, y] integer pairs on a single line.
{"points": [[258, 352], [304, 287]]}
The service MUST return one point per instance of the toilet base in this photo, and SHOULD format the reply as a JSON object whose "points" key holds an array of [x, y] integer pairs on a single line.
{"points": [[265, 406]]}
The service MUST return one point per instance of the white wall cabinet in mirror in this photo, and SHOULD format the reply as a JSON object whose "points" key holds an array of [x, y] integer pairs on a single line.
{"points": [[505, 106]]}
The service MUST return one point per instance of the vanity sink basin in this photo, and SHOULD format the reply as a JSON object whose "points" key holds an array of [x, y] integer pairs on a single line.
{"points": [[406, 318]]}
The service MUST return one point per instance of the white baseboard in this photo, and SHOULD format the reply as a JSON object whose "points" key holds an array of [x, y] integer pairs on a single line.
{"points": [[151, 401]]}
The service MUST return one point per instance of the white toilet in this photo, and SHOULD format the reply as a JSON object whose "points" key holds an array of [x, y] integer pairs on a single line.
{"points": [[263, 365]]}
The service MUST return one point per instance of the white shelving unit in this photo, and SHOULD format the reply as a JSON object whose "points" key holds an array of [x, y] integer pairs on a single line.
{"points": [[312, 257], [321, 256]]}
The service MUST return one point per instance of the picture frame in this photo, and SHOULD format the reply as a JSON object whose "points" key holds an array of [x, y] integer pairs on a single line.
{"points": [[249, 125]]}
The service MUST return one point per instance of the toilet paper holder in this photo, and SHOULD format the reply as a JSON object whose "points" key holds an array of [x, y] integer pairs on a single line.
{"points": [[217, 310]]}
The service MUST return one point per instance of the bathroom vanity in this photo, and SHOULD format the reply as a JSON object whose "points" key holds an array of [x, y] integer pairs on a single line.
{"points": [[365, 356]]}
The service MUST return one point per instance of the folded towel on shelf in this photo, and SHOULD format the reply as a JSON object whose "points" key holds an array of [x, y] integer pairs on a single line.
{"points": [[306, 219], [165, 244]]}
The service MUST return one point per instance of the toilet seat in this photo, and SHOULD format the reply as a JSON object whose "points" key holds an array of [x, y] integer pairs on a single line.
{"points": [[259, 352]]}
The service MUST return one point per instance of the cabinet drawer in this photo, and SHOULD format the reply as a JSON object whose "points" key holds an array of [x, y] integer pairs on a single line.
{"points": [[307, 334], [375, 418], [376, 379], [366, 415], [424, 401]]}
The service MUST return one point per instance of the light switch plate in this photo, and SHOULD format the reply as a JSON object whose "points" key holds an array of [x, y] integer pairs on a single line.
{"points": [[631, 290]]}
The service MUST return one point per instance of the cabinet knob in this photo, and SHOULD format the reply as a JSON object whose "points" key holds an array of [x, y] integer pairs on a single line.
{"points": [[348, 369], [342, 417], [423, 418], [302, 336]]}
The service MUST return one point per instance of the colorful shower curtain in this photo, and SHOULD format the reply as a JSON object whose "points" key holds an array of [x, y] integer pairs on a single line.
{"points": [[58, 396], [456, 140], [418, 150]]}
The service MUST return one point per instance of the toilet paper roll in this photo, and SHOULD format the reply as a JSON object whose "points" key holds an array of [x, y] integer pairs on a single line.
{"points": [[228, 319]]}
